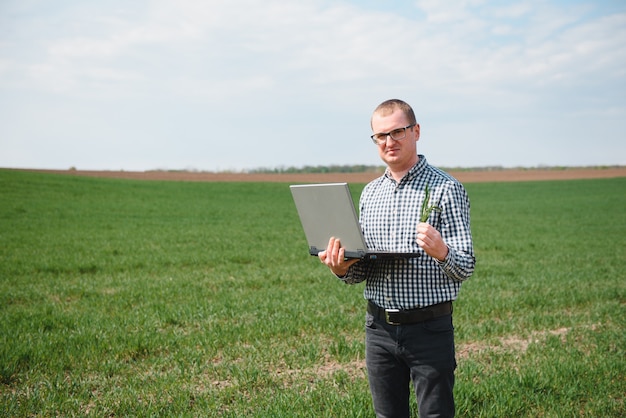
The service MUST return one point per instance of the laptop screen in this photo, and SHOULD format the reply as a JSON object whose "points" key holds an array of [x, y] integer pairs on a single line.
{"points": [[327, 210]]}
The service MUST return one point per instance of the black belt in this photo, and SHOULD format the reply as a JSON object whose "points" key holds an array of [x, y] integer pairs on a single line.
{"points": [[412, 316]]}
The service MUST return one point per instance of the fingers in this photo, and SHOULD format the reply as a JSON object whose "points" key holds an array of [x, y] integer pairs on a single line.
{"points": [[327, 255], [424, 234], [334, 257], [425, 227], [333, 252], [429, 239]]}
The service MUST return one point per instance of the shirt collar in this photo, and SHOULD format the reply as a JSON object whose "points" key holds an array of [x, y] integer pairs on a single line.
{"points": [[419, 167]]}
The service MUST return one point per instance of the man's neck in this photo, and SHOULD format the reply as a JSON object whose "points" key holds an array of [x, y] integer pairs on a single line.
{"points": [[399, 172]]}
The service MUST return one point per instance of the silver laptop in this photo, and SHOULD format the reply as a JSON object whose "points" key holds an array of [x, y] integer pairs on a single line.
{"points": [[327, 210]]}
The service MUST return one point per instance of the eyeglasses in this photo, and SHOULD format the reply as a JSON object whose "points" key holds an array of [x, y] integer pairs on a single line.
{"points": [[396, 135]]}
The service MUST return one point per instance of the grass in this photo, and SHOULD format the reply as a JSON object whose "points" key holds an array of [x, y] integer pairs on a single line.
{"points": [[131, 298]]}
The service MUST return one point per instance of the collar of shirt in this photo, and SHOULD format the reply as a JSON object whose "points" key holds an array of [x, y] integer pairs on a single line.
{"points": [[412, 173]]}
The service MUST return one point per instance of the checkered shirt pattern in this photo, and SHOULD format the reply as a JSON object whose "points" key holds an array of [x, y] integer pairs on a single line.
{"points": [[389, 214]]}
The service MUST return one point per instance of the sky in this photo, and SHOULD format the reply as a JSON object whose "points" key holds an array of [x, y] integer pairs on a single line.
{"points": [[236, 85]]}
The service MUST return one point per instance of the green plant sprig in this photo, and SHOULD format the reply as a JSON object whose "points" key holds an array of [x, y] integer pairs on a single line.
{"points": [[426, 208]]}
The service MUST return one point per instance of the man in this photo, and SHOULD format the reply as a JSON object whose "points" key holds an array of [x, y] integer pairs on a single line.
{"points": [[409, 332]]}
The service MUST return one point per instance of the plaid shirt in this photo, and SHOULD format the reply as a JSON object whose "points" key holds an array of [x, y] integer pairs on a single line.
{"points": [[389, 214]]}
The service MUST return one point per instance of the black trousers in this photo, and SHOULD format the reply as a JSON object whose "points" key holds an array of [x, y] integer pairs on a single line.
{"points": [[421, 353]]}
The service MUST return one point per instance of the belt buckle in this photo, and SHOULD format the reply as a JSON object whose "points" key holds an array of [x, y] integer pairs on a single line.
{"points": [[387, 319]]}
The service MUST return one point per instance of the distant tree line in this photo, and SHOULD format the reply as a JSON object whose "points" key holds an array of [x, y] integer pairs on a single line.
{"points": [[362, 168], [359, 168]]}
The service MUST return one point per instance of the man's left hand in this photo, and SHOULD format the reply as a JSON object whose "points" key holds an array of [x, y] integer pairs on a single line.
{"points": [[429, 240]]}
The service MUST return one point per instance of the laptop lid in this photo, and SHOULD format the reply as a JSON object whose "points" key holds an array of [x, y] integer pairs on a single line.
{"points": [[327, 210]]}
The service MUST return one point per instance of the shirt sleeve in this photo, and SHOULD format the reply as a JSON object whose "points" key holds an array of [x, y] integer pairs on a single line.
{"points": [[356, 273], [455, 230]]}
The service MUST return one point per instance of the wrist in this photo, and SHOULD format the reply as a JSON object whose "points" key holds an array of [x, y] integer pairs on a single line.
{"points": [[340, 273], [444, 257]]}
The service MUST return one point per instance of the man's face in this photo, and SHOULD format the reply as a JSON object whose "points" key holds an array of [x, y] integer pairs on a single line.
{"points": [[398, 155]]}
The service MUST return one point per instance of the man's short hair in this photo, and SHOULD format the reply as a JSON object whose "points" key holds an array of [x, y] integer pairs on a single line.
{"points": [[389, 106]]}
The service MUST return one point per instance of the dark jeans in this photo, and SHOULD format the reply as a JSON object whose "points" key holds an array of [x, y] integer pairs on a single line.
{"points": [[422, 353]]}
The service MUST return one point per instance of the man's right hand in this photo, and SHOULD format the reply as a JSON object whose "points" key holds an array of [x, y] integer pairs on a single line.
{"points": [[334, 257]]}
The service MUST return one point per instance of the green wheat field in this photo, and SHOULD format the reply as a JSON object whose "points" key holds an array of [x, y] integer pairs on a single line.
{"points": [[147, 298]]}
